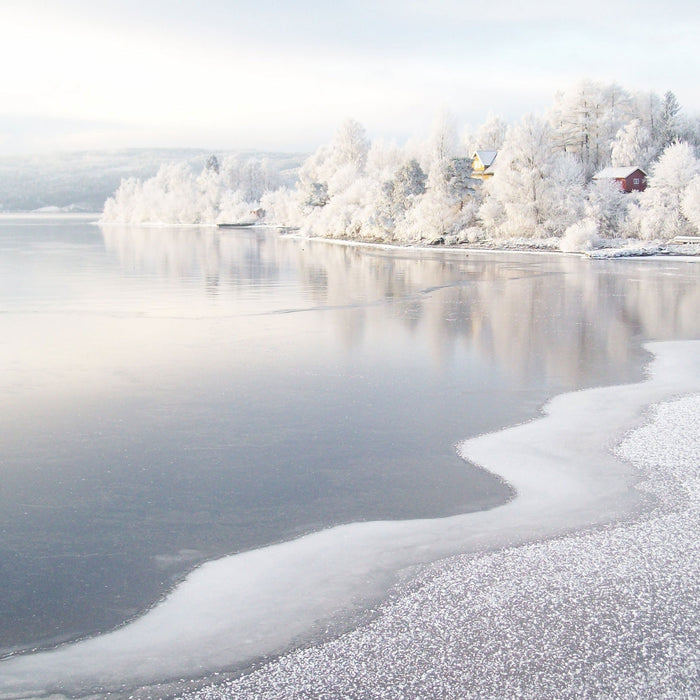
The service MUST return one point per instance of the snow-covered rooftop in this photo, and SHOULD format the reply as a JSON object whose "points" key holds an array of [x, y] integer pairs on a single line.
{"points": [[486, 157], [616, 173]]}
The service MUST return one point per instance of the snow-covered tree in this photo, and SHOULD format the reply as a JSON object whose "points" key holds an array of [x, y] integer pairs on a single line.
{"points": [[176, 195], [440, 209], [660, 214], [489, 136], [689, 131], [648, 108], [618, 110], [384, 159], [350, 145], [460, 184], [424, 191], [607, 206], [690, 204], [633, 145], [398, 195], [440, 149], [586, 118], [212, 164], [334, 167], [669, 119], [209, 192], [282, 207], [535, 191], [428, 219]]}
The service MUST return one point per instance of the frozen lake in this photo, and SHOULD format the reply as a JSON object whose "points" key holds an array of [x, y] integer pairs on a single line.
{"points": [[170, 396]]}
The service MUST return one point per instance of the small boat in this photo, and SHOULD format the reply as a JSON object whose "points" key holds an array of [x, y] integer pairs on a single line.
{"points": [[240, 224]]}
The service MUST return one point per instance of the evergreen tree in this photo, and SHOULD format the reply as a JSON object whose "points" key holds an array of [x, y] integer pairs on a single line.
{"points": [[669, 119]]}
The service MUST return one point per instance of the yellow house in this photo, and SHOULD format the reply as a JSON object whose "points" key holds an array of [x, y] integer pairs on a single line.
{"points": [[482, 164]]}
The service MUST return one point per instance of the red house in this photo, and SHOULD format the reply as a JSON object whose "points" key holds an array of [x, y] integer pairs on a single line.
{"points": [[630, 178]]}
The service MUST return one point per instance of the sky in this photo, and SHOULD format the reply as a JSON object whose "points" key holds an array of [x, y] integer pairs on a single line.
{"points": [[276, 75]]}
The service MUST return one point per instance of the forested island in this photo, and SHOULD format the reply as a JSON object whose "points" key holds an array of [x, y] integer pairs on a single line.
{"points": [[553, 181]]}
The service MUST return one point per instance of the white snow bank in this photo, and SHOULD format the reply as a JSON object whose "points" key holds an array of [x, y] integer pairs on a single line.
{"points": [[261, 602]]}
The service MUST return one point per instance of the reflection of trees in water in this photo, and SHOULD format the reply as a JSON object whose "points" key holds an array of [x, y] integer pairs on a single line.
{"points": [[551, 316], [194, 253]]}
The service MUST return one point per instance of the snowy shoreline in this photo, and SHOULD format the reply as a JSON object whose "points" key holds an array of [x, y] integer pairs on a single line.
{"points": [[636, 249], [261, 602], [611, 612]]}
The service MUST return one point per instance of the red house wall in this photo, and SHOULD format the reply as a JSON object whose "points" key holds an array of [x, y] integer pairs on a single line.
{"points": [[628, 182]]}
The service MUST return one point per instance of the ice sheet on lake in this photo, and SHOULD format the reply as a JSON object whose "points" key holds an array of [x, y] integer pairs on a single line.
{"points": [[257, 603]]}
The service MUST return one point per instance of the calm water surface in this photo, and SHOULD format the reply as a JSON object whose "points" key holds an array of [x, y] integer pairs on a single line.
{"points": [[173, 395]]}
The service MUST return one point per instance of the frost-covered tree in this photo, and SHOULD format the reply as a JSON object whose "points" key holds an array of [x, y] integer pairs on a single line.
{"points": [[170, 197], [340, 187], [176, 195], [384, 159], [489, 136], [660, 214], [460, 184], [382, 192], [212, 164], [333, 168], [669, 127], [251, 176], [566, 193], [440, 210], [690, 204], [408, 182], [282, 206], [350, 145], [209, 192], [586, 118], [633, 145], [535, 190], [607, 206], [689, 131], [398, 195], [433, 216], [440, 149], [648, 108], [424, 191], [316, 195]]}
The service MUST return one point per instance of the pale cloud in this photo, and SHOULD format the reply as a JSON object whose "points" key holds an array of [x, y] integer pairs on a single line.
{"points": [[266, 74]]}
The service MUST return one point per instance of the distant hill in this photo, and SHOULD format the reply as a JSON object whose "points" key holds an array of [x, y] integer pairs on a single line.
{"points": [[82, 181]]}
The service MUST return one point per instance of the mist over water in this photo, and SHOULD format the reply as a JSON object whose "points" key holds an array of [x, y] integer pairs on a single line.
{"points": [[173, 395]]}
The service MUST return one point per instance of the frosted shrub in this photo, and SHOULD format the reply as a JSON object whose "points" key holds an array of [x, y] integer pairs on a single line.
{"points": [[473, 234], [282, 207], [234, 208], [433, 215], [691, 203], [580, 236], [491, 214], [608, 205]]}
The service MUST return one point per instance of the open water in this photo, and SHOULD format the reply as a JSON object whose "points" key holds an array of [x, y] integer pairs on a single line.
{"points": [[169, 396]]}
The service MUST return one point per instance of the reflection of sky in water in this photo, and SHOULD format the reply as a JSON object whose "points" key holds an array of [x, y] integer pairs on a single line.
{"points": [[170, 395]]}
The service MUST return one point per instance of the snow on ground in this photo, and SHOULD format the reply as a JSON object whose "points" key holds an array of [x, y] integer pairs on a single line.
{"points": [[521, 613], [612, 612]]}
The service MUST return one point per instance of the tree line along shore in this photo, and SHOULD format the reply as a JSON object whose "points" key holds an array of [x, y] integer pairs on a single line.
{"points": [[602, 167]]}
